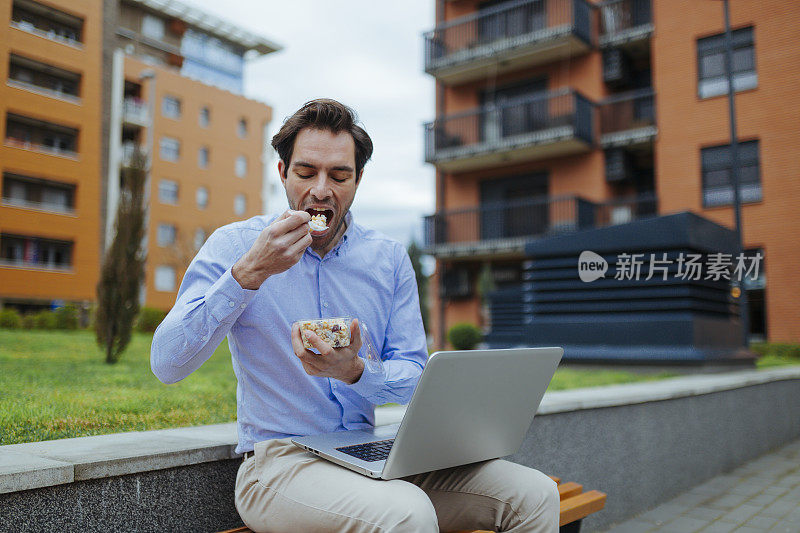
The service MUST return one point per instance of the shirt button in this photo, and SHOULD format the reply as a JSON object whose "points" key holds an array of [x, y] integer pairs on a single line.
{"points": [[325, 305], [231, 304], [243, 306], [204, 338]]}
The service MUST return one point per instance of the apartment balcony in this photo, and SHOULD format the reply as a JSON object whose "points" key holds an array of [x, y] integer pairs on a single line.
{"points": [[502, 229], [135, 112], [35, 253], [532, 127], [628, 119], [40, 136], [128, 155], [508, 37], [625, 22]]}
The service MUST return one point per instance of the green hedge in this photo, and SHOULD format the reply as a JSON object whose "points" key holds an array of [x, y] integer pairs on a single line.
{"points": [[10, 319], [464, 336], [788, 351], [67, 317], [149, 319]]}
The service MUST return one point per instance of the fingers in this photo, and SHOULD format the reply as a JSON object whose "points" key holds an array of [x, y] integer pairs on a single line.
{"points": [[322, 347], [297, 341], [355, 335], [298, 247], [292, 220]]}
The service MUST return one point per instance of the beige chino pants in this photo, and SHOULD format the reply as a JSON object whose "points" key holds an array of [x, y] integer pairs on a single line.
{"points": [[283, 488]]}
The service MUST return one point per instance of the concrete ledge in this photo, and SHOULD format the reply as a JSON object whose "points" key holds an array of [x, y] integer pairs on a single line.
{"points": [[666, 389], [641, 443]]}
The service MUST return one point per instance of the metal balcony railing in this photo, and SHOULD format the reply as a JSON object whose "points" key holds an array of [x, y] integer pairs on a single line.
{"points": [[507, 26], [528, 120], [623, 210], [629, 111], [618, 17], [135, 111], [530, 218]]}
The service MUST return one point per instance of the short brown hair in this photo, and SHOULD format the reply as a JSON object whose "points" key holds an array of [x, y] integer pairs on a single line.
{"points": [[323, 114]]}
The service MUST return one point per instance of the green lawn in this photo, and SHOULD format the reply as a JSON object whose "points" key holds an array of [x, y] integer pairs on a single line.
{"points": [[55, 385]]}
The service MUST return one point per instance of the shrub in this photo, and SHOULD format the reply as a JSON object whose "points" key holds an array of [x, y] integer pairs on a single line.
{"points": [[784, 351], [464, 336], [44, 320], [67, 317], [28, 321], [10, 318], [149, 319]]}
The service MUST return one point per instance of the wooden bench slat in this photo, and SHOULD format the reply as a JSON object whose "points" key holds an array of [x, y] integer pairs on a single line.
{"points": [[237, 530], [556, 479], [569, 489], [581, 506]]}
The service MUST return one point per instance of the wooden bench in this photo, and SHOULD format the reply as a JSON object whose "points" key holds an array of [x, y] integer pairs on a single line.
{"points": [[575, 506]]}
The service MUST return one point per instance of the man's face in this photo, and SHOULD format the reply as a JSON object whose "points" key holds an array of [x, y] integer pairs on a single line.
{"points": [[321, 178]]}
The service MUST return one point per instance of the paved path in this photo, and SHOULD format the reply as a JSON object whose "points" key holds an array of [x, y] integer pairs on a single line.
{"points": [[762, 495]]}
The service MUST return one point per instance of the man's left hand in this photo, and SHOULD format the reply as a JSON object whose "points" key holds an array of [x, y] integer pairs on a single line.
{"points": [[343, 364]]}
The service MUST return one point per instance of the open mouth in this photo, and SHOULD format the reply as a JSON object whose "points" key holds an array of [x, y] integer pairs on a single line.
{"points": [[327, 213]]}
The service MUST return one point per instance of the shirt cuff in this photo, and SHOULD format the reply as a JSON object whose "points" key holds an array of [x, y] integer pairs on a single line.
{"points": [[227, 299], [370, 383]]}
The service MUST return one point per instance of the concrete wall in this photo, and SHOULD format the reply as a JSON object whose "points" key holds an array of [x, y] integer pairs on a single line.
{"points": [[642, 455]]}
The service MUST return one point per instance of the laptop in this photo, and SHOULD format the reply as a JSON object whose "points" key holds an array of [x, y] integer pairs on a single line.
{"points": [[468, 406]]}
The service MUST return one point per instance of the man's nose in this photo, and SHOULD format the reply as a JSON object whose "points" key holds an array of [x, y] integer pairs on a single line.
{"points": [[321, 189]]}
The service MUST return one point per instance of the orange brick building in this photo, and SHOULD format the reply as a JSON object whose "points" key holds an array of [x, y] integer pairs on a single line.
{"points": [[51, 152], [88, 82], [554, 116]]}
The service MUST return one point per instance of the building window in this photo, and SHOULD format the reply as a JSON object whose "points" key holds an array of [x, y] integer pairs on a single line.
{"points": [[33, 74], [205, 117], [241, 166], [170, 149], [153, 27], [47, 22], [240, 204], [34, 193], [202, 157], [32, 134], [717, 163], [202, 197], [241, 129], [35, 252], [165, 235], [165, 278], [168, 192], [171, 107], [712, 78], [199, 238]]}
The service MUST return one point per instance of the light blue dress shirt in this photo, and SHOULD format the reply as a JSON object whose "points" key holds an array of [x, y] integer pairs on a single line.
{"points": [[367, 276]]}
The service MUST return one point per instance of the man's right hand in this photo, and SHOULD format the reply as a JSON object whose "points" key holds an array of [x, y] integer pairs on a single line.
{"points": [[279, 246]]}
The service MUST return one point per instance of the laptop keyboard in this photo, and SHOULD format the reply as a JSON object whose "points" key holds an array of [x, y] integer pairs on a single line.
{"points": [[371, 451]]}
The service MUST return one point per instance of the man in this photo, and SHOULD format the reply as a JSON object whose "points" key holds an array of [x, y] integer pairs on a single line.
{"points": [[252, 280]]}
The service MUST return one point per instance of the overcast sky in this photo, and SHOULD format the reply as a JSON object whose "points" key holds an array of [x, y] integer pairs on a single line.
{"points": [[368, 55]]}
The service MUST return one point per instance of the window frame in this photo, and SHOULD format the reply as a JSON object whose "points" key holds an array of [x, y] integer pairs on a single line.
{"points": [[711, 45], [162, 184], [750, 191]]}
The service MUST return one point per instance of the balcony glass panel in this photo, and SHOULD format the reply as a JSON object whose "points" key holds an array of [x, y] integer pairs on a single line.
{"points": [[32, 134], [29, 73], [35, 252], [47, 22], [22, 191]]}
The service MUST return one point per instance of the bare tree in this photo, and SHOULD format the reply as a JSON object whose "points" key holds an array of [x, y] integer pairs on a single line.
{"points": [[122, 273]]}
